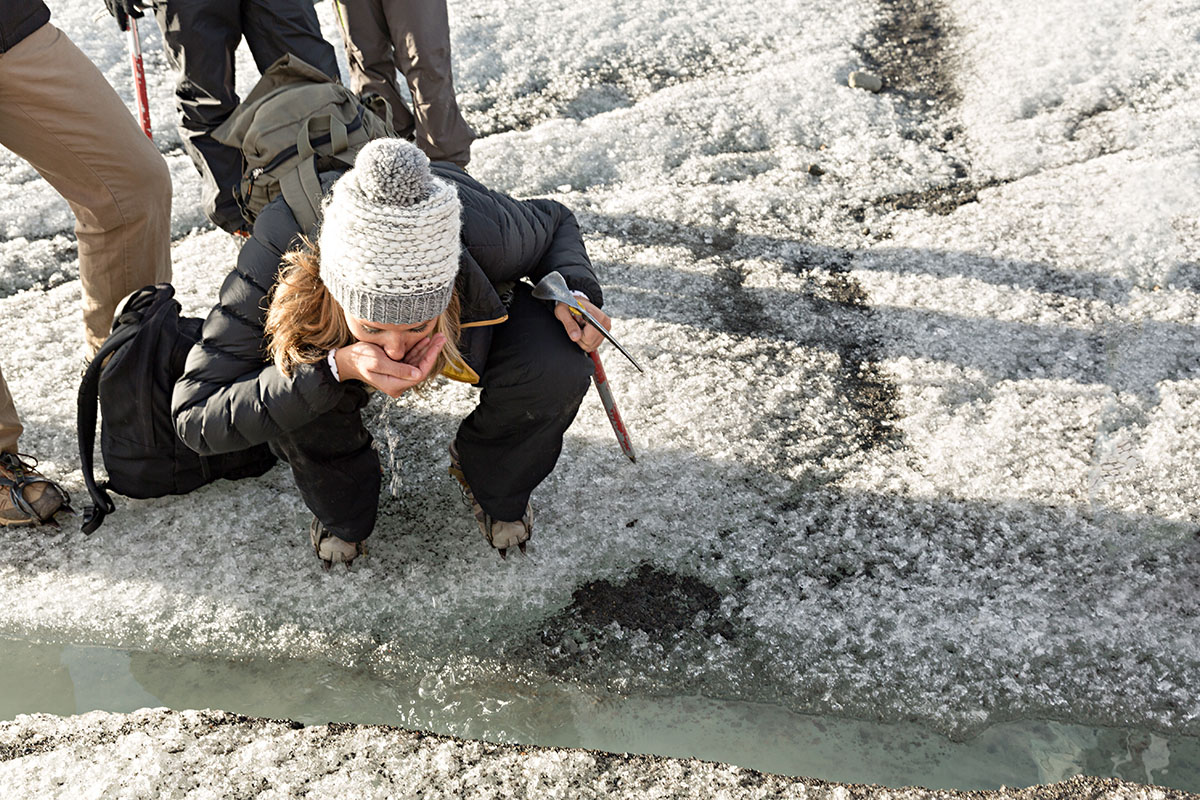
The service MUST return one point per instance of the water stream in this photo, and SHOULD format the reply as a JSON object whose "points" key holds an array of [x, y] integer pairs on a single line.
{"points": [[71, 679]]}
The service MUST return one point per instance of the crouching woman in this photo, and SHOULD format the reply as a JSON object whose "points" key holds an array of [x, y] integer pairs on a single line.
{"points": [[418, 271]]}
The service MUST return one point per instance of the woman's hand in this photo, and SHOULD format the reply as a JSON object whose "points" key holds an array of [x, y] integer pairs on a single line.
{"points": [[368, 363], [580, 330]]}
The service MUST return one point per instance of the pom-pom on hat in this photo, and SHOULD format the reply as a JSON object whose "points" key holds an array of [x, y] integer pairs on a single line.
{"points": [[389, 241]]}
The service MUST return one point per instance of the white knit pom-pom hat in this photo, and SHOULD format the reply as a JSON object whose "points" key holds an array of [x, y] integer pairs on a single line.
{"points": [[389, 241]]}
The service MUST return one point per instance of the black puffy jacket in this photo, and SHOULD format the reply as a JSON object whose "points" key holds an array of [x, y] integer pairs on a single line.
{"points": [[18, 19], [231, 396]]}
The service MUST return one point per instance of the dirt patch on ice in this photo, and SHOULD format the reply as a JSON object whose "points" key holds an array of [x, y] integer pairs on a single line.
{"points": [[866, 386], [908, 49], [830, 292], [652, 600], [739, 310], [911, 50], [32, 743], [940, 200], [607, 619]]}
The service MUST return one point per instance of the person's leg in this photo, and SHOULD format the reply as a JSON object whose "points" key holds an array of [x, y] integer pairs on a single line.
{"points": [[420, 31], [336, 469], [274, 28], [199, 38], [369, 51], [533, 383], [10, 423], [63, 117]]}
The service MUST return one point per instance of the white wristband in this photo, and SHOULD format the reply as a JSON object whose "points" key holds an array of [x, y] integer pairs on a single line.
{"points": [[333, 364]]}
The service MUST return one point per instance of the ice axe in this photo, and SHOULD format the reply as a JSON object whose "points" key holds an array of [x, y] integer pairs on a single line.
{"points": [[139, 73], [139, 78], [553, 287]]}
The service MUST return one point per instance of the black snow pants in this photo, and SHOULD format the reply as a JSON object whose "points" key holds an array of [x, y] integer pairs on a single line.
{"points": [[200, 37], [533, 380]]}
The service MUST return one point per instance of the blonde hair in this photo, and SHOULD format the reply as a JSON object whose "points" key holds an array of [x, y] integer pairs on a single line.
{"points": [[304, 322]]}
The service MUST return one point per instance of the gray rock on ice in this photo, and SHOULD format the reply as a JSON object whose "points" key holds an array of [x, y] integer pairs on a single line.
{"points": [[864, 80]]}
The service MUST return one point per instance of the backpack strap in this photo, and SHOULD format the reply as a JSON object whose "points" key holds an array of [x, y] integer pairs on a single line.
{"points": [[301, 188], [127, 326], [380, 107], [296, 186]]}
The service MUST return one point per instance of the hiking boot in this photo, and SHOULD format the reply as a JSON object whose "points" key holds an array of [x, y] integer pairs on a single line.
{"points": [[27, 498], [330, 548], [499, 533]]}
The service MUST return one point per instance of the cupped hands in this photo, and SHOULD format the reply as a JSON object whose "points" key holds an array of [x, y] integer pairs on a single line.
{"points": [[368, 363]]}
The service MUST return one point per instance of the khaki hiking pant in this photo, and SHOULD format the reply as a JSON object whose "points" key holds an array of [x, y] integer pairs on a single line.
{"points": [[10, 425], [60, 114], [412, 36]]}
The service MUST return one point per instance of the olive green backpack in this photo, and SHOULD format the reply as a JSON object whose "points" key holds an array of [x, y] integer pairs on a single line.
{"points": [[294, 124]]}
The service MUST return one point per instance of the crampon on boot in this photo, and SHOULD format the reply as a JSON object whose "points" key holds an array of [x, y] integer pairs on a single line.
{"points": [[499, 533], [330, 548], [26, 497]]}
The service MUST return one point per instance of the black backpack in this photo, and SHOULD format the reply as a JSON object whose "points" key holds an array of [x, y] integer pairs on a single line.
{"points": [[133, 375]]}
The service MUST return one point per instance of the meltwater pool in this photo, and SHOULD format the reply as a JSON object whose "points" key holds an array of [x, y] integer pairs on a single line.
{"points": [[70, 679]]}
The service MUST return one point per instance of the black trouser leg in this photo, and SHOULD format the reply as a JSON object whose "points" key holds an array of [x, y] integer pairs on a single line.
{"points": [[274, 28], [533, 382], [200, 37], [335, 468]]}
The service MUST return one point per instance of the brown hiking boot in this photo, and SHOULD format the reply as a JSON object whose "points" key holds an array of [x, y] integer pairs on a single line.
{"points": [[26, 498], [499, 533]]}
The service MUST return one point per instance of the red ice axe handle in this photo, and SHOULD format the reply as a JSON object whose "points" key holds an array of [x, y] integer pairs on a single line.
{"points": [[610, 408], [139, 78]]}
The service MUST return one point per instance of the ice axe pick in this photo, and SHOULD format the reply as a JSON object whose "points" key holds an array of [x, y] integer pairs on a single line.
{"points": [[553, 287]]}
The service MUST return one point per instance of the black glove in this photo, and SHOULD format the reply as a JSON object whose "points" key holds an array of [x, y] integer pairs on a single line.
{"points": [[122, 10]]}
